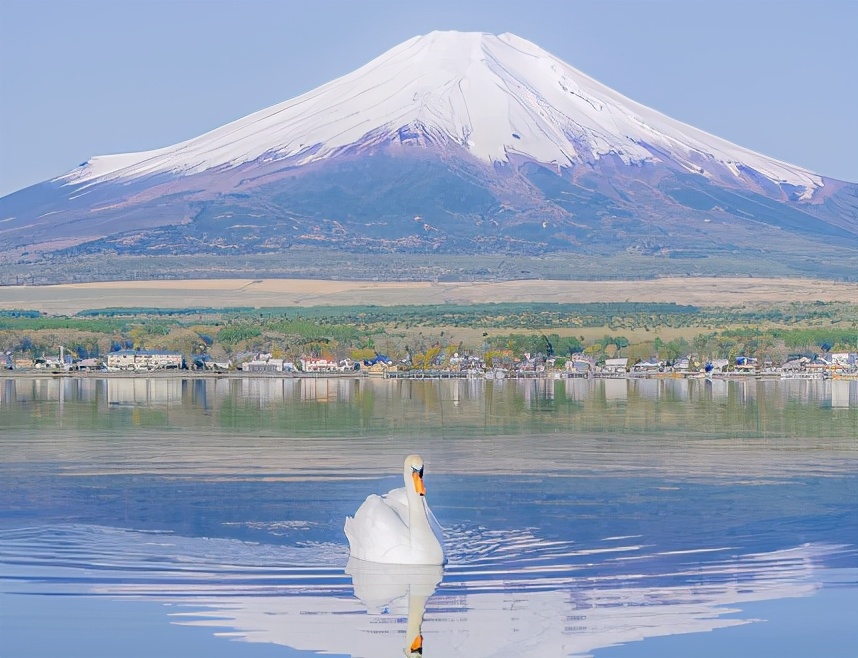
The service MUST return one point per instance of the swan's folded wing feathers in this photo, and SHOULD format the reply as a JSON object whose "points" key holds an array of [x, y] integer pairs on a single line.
{"points": [[397, 500], [375, 530]]}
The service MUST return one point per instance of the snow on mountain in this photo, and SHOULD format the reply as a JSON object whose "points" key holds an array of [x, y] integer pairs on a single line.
{"points": [[451, 144], [496, 96]]}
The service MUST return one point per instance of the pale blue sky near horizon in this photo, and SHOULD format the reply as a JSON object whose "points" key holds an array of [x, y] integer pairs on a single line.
{"points": [[90, 77]]}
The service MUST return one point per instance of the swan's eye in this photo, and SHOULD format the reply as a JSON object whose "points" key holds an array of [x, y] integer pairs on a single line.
{"points": [[419, 471]]}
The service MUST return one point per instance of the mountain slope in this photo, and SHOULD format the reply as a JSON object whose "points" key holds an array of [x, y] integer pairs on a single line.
{"points": [[450, 142]]}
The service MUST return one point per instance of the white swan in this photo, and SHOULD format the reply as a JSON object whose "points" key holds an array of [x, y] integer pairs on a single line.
{"points": [[397, 528]]}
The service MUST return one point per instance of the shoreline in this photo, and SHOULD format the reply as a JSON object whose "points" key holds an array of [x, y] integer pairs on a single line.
{"points": [[411, 375]]}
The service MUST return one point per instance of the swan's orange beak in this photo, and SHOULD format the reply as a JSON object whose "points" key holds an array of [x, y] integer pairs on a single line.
{"points": [[418, 483], [417, 645]]}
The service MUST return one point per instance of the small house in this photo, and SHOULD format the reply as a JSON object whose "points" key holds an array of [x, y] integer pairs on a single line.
{"points": [[616, 365]]}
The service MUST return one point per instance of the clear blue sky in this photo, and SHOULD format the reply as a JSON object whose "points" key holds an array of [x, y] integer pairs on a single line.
{"points": [[89, 77]]}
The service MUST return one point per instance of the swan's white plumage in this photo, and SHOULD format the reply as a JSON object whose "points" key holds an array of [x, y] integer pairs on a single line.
{"points": [[398, 527]]}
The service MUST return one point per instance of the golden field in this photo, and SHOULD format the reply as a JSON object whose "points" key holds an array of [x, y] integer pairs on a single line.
{"points": [[68, 299]]}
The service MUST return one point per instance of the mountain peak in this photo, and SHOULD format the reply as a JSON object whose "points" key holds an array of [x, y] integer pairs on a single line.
{"points": [[495, 96]]}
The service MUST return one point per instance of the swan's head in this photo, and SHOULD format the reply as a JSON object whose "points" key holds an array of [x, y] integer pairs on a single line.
{"points": [[414, 466]]}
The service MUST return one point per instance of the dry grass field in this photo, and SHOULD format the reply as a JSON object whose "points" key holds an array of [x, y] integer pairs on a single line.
{"points": [[71, 298]]}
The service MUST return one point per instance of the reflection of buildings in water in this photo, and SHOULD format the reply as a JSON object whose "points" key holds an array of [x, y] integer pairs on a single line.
{"points": [[387, 389], [475, 387], [222, 388], [478, 615], [85, 390], [740, 390], [8, 392], [537, 391], [199, 392], [844, 393], [463, 399], [39, 389], [530, 394], [578, 390], [257, 389], [718, 389], [547, 386], [317, 390], [616, 390], [452, 390], [677, 389], [229, 390], [648, 389], [806, 391], [323, 389], [135, 391], [749, 390], [794, 389], [53, 390], [347, 389], [267, 390]]}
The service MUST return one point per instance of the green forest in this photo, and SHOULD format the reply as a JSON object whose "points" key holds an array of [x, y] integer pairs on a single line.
{"points": [[425, 333]]}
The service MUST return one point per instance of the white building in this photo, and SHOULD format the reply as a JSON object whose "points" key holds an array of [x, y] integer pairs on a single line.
{"points": [[311, 364], [144, 360], [616, 365], [263, 365]]}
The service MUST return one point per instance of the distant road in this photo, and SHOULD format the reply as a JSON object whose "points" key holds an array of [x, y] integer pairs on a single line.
{"points": [[71, 298]]}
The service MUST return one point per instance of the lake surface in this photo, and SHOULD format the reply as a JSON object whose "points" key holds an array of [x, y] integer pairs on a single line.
{"points": [[606, 518]]}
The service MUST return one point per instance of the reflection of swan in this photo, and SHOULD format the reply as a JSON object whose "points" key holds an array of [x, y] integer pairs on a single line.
{"points": [[382, 587], [397, 528], [503, 608]]}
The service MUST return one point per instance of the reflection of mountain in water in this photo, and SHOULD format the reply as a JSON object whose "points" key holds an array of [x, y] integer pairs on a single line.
{"points": [[508, 594]]}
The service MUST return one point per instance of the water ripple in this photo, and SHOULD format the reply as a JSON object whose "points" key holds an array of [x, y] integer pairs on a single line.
{"points": [[84, 558]]}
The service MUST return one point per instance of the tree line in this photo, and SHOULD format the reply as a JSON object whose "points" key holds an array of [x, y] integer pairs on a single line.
{"points": [[420, 332]]}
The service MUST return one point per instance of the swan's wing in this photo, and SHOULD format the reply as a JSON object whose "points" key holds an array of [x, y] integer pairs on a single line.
{"points": [[397, 500], [378, 516], [375, 530]]}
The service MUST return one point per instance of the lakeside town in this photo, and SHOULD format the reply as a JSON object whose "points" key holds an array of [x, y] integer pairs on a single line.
{"points": [[137, 361]]}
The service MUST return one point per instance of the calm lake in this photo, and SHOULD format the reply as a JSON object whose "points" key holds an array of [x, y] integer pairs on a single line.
{"points": [[608, 518]]}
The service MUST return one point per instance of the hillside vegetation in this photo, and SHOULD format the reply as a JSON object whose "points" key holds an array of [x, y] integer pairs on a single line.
{"points": [[633, 329]]}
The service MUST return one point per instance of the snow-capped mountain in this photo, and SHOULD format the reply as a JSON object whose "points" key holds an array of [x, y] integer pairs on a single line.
{"points": [[493, 95], [458, 142]]}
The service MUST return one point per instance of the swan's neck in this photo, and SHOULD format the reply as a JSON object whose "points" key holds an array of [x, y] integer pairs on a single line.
{"points": [[416, 610], [425, 545], [418, 519]]}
